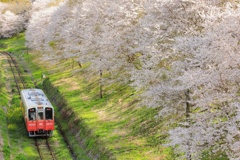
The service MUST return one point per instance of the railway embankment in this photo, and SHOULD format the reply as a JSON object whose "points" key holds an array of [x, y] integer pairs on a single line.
{"points": [[71, 124]]}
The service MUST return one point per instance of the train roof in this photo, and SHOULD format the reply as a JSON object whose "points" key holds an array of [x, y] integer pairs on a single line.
{"points": [[35, 97]]}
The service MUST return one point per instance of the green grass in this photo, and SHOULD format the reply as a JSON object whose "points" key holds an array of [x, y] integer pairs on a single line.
{"points": [[3, 118], [15, 44]]}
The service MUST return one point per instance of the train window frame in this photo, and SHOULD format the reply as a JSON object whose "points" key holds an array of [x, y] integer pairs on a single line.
{"points": [[32, 114], [48, 116]]}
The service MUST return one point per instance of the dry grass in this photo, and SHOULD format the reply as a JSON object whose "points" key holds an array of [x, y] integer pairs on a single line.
{"points": [[17, 6]]}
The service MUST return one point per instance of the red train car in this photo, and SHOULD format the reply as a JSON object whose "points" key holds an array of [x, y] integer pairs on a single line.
{"points": [[38, 113]]}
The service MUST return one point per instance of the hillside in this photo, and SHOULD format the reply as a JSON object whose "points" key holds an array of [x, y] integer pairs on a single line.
{"points": [[137, 79]]}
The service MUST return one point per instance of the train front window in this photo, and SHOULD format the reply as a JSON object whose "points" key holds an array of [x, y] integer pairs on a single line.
{"points": [[40, 115], [32, 114], [48, 113]]}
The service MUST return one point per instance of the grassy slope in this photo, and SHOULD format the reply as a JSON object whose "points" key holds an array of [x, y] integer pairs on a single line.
{"points": [[3, 118]]}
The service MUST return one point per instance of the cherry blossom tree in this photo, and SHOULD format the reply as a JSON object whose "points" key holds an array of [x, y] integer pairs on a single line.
{"points": [[182, 54], [214, 70], [176, 78], [96, 37], [11, 23], [37, 27]]}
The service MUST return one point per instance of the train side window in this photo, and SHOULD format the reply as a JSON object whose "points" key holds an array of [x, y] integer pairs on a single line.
{"points": [[48, 113], [40, 115], [32, 114]]}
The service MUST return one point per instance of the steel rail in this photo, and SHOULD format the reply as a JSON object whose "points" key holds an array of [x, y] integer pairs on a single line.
{"points": [[38, 149], [15, 69], [44, 146], [50, 149]]}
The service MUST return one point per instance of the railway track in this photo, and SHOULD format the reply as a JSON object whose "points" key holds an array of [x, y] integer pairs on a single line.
{"points": [[19, 82], [44, 149]]}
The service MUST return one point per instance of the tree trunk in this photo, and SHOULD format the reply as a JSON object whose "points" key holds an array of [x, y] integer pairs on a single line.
{"points": [[100, 85], [187, 105], [72, 63], [80, 65], [188, 111]]}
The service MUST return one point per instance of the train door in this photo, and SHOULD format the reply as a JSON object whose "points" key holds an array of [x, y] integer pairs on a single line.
{"points": [[40, 121], [31, 123], [49, 119]]}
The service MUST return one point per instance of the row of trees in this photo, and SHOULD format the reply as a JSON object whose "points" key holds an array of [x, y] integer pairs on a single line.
{"points": [[184, 55]]}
